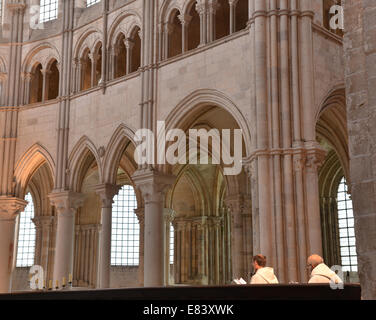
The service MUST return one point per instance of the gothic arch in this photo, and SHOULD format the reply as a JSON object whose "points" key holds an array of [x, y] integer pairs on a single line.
{"points": [[42, 53], [88, 39], [28, 164], [331, 126], [119, 142], [120, 25], [81, 158], [207, 97]]}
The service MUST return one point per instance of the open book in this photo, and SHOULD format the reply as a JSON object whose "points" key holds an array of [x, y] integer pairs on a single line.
{"points": [[240, 281]]}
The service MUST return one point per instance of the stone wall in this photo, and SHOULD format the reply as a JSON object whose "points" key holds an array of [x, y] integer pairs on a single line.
{"points": [[360, 74]]}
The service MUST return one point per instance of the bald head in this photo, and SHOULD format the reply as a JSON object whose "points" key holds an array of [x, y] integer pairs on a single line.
{"points": [[314, 260]]}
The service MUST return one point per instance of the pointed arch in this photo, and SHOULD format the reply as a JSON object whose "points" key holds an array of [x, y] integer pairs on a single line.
{"points": [[81, 158], [120, 140], [28, 164], [208, 97]]}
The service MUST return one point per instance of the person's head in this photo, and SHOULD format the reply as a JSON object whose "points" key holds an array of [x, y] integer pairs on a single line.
{"points": [[313, 261], [259, 261]]}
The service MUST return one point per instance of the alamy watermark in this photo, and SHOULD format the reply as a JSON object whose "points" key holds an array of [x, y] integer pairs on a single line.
{"points": [[176, 147], [336, 17]]}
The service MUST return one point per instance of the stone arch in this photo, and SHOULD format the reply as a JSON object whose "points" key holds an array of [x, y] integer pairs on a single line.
{"points": [[28, 164], [119, 24], [83, 155], [88, 38], [208, 97], [42, 53], [120, 140], [331, 125]]}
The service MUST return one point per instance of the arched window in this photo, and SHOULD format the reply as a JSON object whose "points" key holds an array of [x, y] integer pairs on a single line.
{"points": [[91, 2], [48, 10], [346, 229], [125, 236], [26, 236], [172, 233]]}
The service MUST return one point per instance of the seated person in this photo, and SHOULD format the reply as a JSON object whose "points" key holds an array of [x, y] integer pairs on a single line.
{"points": [[263, 275], [320, 272]]}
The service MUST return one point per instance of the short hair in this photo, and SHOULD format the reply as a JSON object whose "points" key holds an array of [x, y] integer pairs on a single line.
{"points": [[260, 259]]}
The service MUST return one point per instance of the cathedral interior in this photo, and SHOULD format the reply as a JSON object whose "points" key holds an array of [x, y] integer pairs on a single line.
{"points": [[78, 78]]}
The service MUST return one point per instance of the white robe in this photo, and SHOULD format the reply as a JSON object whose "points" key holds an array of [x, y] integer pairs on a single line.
{"points": [[264, 276], [323, 274]]}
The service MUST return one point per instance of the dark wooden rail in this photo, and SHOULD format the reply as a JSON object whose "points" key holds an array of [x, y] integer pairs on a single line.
{"points": [[222, 293]]}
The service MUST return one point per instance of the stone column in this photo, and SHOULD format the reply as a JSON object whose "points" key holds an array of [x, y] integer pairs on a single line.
{"points": [[315, 158], [185, 19], [129, 45], [211, 13], [201, 8], [76, 70], [43, 225], [140, 213], [94, 57], [27, 81], [66, 204], [46, 74], [153, 186], [234, 205], [106, 192], [113, 62], [169, 216], [9, 209], [233, 4]]}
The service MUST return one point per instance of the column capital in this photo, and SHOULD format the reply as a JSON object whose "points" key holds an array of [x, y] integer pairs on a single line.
{"points": [[185, 19], [106, 192], [129, 43], [16, 7], [152, 184], [238, 204], [233, 2], [315, 157], [66, 202], [10, 207], [43, 221], [169, 215], [140, 213]]}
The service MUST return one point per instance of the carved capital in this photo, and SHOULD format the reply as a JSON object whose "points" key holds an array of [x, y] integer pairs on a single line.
{"points": [[140, 213], [43, 222], [152, 184], [66, 202], [185, 19], [315, 158], [169, 215], [106, 193], [10, 207]]}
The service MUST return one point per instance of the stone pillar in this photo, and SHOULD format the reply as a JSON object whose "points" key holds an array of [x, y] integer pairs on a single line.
{"points": [[140, 213], [167, 30], [27, 82], [113, 62], [66, 204], [46, 74], [153, 185], [234, 205], [201, 8], [185, 19], [106, 192], [211, 13], [233, 4], [9, 209], [129, 45], [43, 226], [360, 75], [315, 158], [169, 216], [94, 57]]}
